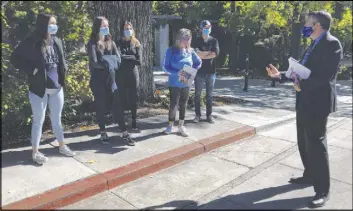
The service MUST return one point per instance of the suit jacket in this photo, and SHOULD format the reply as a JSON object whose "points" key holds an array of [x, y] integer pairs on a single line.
{"points": [[318, 94], [28, 55]]}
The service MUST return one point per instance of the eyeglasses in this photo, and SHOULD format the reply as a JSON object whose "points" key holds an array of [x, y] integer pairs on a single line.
{"points": [[186, 37]]}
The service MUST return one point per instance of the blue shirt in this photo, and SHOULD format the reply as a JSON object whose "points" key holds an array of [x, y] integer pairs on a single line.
{"points": [[174, 61], [307, 53]]}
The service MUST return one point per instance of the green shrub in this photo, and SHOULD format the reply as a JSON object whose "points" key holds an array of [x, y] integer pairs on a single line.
{"points": [[77, 79], [16, 110], [344, 73]]}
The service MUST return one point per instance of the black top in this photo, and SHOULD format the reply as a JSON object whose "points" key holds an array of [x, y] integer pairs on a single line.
{"points": [[95, 55], [51, 60], [28, 55], [208, 65], [131, 55]]}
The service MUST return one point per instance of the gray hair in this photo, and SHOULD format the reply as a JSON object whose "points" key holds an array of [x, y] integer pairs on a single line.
{"points": [[322, 17], [181, 33]]}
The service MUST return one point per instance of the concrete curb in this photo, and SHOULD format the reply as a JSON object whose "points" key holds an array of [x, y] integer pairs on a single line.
{"points": [[87, 187]]}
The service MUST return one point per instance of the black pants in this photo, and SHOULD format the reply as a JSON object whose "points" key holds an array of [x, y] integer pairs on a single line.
{"points": [[128, 83], [105, 100], [118, 111], [178, 97], [312, 143]]}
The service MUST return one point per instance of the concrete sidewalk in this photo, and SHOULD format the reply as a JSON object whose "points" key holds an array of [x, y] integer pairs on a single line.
{"points": [[250, 174], [21, 179]]}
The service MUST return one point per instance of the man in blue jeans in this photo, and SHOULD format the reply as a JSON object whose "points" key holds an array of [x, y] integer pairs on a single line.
{"points": [[207, 49]]}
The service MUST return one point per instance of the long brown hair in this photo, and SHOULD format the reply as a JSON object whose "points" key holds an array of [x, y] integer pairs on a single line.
{"points": [[101, 45], [40, 32], [134, 41]]}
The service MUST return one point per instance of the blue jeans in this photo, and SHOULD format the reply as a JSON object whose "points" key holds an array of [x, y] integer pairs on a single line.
{"points": [[199, 82], [55, 99]]}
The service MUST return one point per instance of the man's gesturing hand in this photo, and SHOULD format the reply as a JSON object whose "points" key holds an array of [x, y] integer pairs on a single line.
{"points": [[273, 72]]}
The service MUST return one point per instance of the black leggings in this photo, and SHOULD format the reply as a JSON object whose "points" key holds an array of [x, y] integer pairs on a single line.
{"points": [[128, 83], [178, 97], [104, 99]]}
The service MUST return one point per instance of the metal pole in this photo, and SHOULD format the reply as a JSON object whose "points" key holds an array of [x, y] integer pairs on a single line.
{"points": [[273, 83], [246, 75]]}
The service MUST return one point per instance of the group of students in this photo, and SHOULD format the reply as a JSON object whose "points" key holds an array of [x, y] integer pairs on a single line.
{"points": [[114, 76]]}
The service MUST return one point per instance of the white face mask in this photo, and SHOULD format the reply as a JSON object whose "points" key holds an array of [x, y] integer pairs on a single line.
{"points": [[104, 31], [128, 33], [52, 28]]}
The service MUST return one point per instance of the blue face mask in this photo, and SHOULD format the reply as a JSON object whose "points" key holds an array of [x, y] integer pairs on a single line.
{"points": [[206, 31], [104, 31], [128, 33], [52, 29], [307, 31]]}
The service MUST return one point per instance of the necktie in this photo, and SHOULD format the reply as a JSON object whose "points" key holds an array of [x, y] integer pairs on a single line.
{"points": [[307, 53]]}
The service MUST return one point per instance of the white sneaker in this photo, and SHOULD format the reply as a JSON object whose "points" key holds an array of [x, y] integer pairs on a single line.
{"points": [[197, 119], [39, 158], [66, 151], [182, 131]]}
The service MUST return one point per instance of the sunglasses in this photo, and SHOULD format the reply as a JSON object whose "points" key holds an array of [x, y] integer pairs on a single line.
{"points": [[186, 38]]}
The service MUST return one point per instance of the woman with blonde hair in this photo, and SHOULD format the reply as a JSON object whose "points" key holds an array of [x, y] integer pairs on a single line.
{"points": [[128, 75], [176, 57]]}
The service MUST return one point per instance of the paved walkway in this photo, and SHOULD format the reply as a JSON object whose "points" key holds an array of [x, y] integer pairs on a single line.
{"points": [[22, 179], [250, 174]]}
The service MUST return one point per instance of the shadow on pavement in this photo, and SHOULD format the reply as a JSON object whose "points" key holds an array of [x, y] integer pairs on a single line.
{"points": [[247, 200], [24, 157], [14, 156]]}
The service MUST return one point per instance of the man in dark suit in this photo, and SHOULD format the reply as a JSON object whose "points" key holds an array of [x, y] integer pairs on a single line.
{"points": [[316, 98]]}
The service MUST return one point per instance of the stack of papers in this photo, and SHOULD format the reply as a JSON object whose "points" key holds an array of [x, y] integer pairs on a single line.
{"points": [[187, 75], [297, 68]]}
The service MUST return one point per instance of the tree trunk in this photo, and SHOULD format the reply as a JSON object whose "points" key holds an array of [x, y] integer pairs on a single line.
{"points": [[338, 10], [296, 32], [233, 53], [139, 14]]}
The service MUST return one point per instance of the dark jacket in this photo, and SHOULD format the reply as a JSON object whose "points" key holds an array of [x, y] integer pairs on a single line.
{"points": [[130, 55], [112, 63], [28, 55], [318, 94], [100, 79], [95, 60]]}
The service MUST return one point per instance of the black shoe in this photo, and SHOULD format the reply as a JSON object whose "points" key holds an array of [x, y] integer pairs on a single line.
{"points": [[210, 119], [104, 138], [134, 125], [301, 181], [319, 200], [128, 140]]}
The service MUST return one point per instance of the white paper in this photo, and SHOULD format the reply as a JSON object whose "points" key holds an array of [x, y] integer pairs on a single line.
{"points": [[295, 67], [189, 74]]}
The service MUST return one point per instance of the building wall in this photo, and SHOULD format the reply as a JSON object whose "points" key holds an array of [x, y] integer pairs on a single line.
{"points": [[161, 43]]}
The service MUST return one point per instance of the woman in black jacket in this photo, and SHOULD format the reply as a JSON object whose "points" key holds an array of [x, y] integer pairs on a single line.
{"points": [[41, 57], [100, 45], [128, 75]]}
